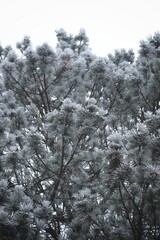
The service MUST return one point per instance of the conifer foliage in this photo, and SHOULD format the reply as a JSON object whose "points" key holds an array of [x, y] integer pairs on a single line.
{"points": [[79, 141]]}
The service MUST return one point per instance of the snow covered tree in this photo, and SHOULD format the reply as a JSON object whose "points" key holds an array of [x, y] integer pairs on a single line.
{"points": [[51, 125], [79, 142]]}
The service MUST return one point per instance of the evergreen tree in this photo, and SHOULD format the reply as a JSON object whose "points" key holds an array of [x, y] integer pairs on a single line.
{"points": [[79, 142]]}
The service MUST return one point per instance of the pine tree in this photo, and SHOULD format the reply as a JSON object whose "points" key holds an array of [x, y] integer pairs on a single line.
{"points": [[79, 141]]}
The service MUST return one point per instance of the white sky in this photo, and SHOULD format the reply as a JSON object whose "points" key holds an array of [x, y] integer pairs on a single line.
{"points": [[109, 24]]}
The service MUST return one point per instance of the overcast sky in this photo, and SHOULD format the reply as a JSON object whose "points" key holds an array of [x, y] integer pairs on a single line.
{"points": [[109, 24]]}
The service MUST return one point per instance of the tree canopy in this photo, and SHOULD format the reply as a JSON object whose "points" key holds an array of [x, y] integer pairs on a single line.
{"points": [[79, 141]]}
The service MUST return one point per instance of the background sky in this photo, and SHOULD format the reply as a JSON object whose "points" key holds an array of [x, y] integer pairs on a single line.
{"points": [[109, 24]]}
